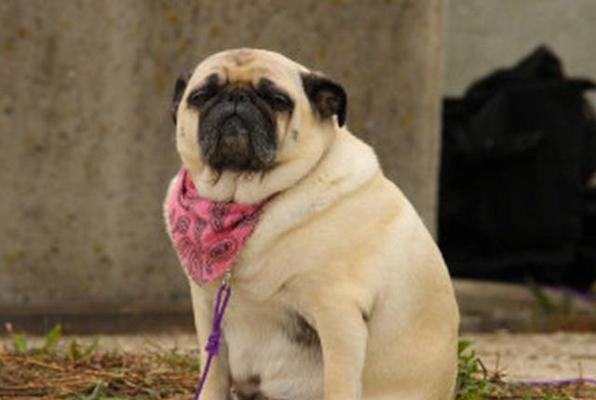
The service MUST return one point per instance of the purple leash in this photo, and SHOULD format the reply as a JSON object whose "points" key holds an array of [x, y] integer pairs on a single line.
{"points": [[212, 347], [590, 381]]}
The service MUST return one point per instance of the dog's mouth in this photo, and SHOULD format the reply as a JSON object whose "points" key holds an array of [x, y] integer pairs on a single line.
{"points": [[235, 134], [234, 148]]}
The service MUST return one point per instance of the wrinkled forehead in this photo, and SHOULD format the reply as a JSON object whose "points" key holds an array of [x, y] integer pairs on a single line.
{"points": [[248, 67]]}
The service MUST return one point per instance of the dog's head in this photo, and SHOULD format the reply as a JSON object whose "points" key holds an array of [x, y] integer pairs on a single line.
{"points": [[247, 111]]}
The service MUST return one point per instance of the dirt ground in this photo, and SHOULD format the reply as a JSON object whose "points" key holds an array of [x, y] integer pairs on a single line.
{"points": [[519, 357], [538, 356]]}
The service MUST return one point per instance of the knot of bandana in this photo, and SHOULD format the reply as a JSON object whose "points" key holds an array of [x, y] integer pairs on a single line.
{"points": [[207, 235]]}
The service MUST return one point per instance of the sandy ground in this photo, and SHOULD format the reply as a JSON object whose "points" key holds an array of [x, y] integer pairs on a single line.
{"points": [[517, 356]]}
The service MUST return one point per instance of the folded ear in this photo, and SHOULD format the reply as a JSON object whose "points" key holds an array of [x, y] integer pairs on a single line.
{"points": [[327, 97], [179, 87]]}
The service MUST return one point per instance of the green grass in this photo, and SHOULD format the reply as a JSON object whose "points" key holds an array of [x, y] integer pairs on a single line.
{"points": [[472, 379]]}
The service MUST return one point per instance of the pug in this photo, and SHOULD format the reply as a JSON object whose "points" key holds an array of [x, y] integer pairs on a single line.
{"points": [[338, 290]]}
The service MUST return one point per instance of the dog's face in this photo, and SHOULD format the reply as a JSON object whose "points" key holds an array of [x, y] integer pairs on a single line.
{"points": [[251, 110]]}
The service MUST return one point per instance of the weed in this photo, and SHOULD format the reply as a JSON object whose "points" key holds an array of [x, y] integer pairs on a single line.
{"points": [[547, 303], [20, 343], [472, 382], [76, 351], [52, 337]]}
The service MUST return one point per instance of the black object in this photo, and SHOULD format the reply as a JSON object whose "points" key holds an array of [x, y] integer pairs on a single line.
{"points": [[518, 149]]}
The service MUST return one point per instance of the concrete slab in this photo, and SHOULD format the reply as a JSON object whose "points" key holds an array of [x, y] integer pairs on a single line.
{"points": [[484, 307]]}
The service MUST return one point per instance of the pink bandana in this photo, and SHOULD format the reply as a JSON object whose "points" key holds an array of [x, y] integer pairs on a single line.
{"points": [[207, 235]]}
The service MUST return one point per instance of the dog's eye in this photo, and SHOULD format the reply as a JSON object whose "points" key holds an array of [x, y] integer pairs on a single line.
{"points": [[200, 96], [280, 102]]}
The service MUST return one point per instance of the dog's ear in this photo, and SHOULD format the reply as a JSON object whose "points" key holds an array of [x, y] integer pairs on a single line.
{"points": [[179, 87], [328, 98]]}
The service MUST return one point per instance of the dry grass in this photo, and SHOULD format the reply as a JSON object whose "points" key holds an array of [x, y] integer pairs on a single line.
{"points": [[77, 372], [97, 376]]}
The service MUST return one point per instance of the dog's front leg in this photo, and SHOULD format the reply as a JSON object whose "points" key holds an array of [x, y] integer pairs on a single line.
{"points": [[343, 334], [217, 385]]}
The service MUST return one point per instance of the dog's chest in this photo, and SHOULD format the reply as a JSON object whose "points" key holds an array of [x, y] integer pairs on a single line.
{"points": [[272, 351]]}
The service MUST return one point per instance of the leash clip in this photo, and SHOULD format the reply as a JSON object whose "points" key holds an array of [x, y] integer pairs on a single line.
{"points": [[227, 277]]}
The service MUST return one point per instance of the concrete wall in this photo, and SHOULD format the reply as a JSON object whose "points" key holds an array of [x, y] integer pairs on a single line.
{"points": [[483, 35], [86, 142]]}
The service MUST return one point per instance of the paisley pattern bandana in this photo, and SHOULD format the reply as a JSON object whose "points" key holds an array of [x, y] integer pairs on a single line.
{"points": [[207, 235]]}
